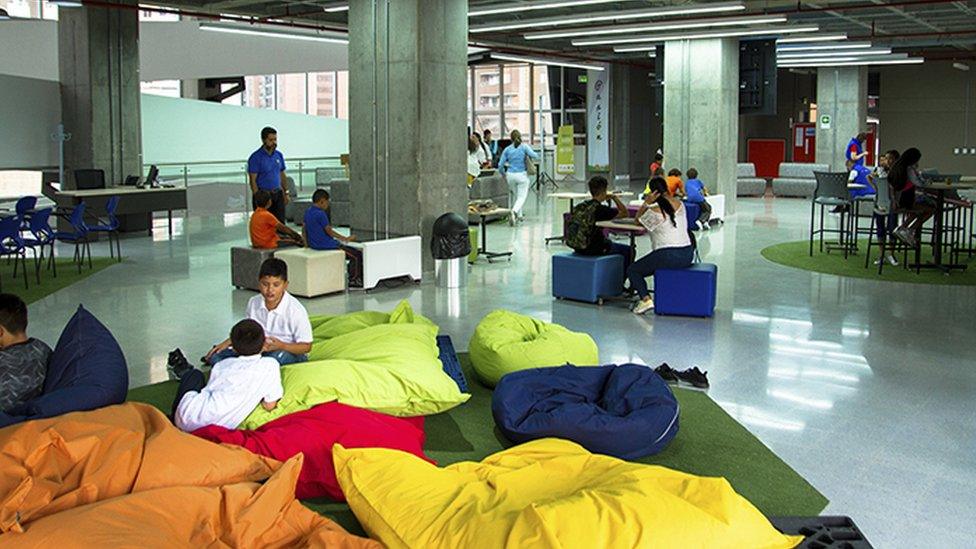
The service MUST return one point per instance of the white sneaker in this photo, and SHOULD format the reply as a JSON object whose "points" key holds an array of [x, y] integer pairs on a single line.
{"points": [[643, 306], [706, 226], [892, 260]]}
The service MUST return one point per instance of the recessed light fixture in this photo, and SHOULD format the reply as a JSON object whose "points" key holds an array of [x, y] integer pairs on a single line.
{"points": [[821, 38], [835, 62], [823, 47], [272, 34], [66, 3], [658, 26], [720, 34], [960, 66], [610, 16], [833, 53], [535, 7], [542, 61], [337, 8]]}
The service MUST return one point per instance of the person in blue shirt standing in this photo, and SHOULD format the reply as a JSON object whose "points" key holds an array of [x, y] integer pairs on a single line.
{"points": [[321, 236], [512, 166], [695, 193], [266, 171]]}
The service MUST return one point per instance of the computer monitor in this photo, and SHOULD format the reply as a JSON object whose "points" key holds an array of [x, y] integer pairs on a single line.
{"points": [[89, 179], [152, 176]]}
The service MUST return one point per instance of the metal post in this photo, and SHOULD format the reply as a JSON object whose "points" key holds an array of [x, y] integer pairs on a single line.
{"points": [[186, 177]]}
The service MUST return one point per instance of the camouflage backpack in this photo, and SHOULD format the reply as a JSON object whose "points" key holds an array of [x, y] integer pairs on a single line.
{"points": [[582, 223]]}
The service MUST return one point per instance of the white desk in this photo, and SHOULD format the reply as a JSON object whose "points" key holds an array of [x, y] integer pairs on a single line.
{"points": [[716, 201]]}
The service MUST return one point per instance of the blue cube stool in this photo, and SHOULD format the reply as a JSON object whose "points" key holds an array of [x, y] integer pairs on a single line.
{"points": [[686, 292], [587, 278], [693, 210]]}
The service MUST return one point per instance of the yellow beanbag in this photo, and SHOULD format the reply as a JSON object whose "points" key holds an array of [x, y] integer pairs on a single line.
{"points": [[547, 493]]}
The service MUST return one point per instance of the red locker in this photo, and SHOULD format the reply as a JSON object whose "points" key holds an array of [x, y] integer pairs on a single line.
{"points": [[766, 155]]}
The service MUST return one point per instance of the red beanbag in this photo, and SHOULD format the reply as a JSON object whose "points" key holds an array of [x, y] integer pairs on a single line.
{"points": [[313, 432]]}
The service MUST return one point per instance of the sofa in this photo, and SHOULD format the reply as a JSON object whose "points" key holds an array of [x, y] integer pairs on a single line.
{"points": [[746, 182], [796, 179], [340, 196], [245, 264]]}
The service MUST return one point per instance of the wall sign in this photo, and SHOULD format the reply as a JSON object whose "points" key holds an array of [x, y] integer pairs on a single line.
{"points": [[598, 120], [824, 121]]}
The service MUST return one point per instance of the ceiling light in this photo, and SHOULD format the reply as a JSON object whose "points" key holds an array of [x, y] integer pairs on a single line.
{"points": [[651, 27], [834, 62], [721, 34], [960, 66], [272, 34], [675, 26], [337, 8], [820, 47], [821, 38], [66, 3], [533, 7], [834, 53], [541, 61], [611, 16]]}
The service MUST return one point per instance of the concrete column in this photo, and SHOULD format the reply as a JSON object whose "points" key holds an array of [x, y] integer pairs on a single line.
{"points": [[632, 121], [701, 111], [407, 127], [842, 93], [99, 73]]}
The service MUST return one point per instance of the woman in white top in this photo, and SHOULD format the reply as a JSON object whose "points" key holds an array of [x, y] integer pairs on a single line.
{"points": [[484, 157], [474, 164], [512, 166], [667, 225]]}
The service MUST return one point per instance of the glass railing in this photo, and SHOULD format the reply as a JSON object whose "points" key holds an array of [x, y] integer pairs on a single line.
{"points": [[301, 170]]}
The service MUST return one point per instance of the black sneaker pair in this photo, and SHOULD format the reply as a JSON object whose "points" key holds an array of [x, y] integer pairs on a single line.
{"points": [[692, 376], [177, 364]]}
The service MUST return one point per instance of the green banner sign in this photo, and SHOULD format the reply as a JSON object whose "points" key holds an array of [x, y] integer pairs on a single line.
{"points": [[565, 159]]}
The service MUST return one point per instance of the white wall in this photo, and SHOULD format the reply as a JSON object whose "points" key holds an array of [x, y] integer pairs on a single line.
{"points": [[187, 130], [172, 51], [30, 110]]}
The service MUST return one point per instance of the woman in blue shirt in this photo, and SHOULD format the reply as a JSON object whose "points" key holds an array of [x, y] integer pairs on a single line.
{"points": [[511, 165]]}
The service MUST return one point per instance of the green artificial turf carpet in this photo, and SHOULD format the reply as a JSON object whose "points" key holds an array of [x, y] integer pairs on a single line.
{"points": [[709, 442], [67, 275], [797, 255]]}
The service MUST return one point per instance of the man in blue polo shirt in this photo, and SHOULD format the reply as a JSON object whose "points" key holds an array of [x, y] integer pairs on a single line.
{"points": [[266, 171]]}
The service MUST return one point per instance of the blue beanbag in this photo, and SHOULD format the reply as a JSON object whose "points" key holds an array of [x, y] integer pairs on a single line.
{"points": [[87, 370], [625, 411]]}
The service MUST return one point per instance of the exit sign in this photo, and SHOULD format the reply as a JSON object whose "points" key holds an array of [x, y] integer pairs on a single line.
{"points": [[582, 78]]}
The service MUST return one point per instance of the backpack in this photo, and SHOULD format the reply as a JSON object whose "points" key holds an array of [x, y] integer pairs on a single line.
{"points": [[582, 223]]}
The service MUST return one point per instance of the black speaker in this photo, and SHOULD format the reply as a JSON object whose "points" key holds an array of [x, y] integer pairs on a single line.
{"points": [[757, 77]]}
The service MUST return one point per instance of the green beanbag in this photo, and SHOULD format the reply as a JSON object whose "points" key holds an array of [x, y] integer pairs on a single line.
{"points": [[326, 327], [506, 342], [393, 368]]}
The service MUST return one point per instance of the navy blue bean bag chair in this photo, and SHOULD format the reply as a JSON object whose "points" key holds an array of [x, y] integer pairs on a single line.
{"points": [[87, 370], [626, 411]]}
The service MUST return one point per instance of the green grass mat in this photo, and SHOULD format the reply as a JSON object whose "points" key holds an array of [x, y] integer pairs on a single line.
{"points": [[67, 275], [709, 442], [797, 255]]}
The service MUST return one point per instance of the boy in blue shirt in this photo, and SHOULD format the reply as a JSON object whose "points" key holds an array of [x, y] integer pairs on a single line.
{"points": [[320, 235], [695, 193]]}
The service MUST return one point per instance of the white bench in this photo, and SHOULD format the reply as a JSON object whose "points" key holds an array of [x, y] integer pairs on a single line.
{"points": [[313, 273], [391, 258]]}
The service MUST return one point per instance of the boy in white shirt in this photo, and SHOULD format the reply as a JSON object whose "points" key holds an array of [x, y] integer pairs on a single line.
{"points": [[284, 319], [237, 384]]}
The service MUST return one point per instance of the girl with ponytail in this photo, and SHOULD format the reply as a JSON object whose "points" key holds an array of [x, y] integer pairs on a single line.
{"points": [[665, 219]]}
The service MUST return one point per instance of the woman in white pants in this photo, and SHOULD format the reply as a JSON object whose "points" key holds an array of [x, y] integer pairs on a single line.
{"points": [[511, 165]]}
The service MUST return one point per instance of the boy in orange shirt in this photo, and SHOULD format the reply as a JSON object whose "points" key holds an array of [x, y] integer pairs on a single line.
{"points": [[676, 186], [266, 231]]}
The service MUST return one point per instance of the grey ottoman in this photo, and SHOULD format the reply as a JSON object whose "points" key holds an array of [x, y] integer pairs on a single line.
{"points": [[245, 264]]}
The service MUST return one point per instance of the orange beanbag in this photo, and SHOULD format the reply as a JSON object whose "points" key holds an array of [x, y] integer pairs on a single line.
{"points": [[125, 470]]}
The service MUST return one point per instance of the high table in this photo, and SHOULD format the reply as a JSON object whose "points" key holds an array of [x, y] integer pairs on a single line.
{"points": [[629, 225], [939, 189], [135, 205], [484, 234], [572, 197]]}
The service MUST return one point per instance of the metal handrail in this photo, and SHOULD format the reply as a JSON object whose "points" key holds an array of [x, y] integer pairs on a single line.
{"points": [[220, 167]]}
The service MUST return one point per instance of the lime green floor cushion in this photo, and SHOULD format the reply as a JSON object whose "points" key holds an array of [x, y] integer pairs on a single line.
{"points": [[389, 368], [326, 327], [545, 493], [505, 342]]}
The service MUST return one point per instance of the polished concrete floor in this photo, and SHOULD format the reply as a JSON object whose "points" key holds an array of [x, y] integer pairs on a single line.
{"points": [[866, 388]]}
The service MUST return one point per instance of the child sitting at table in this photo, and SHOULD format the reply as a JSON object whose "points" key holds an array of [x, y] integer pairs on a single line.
{"points": [[696, 193], [265, 229], [676, 187], [584, 236]]}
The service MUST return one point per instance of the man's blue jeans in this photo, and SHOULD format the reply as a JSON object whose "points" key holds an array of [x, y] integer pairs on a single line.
{"points": [[283, 357]]}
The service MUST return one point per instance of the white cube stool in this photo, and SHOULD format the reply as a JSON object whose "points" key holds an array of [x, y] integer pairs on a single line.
{"points": [[314, 272]]}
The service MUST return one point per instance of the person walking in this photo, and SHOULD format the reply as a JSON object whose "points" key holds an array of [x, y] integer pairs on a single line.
{"points": [[266, 172], [512, 166]]}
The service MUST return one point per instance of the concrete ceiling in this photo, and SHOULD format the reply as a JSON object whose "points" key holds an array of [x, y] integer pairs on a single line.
{"points": [[936, 29]]}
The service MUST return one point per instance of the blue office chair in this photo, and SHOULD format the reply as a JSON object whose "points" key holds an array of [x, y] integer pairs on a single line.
{"points": [[111, 228], [78, 237], [23, 209], [42, 235], [11, 244]]}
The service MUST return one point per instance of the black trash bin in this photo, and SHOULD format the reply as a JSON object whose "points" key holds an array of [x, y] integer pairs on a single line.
{"points": [[450, 246]]}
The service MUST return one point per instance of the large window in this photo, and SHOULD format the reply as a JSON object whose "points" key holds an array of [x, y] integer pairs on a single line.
{"points": [[534, 99]]}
